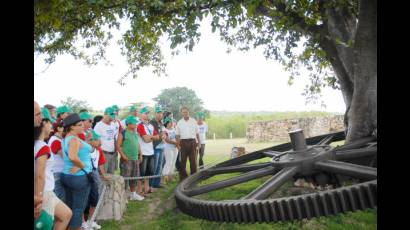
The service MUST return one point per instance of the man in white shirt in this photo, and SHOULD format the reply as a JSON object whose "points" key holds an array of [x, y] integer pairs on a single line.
{"points": [[186, 132], [109, 133], [203, 129]]}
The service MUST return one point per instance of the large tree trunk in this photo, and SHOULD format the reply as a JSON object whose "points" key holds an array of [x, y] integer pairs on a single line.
{"points": [[363, 111], [355, 67]]}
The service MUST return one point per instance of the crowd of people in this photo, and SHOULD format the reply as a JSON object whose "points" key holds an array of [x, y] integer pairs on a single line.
{"points": [[75, 152]]}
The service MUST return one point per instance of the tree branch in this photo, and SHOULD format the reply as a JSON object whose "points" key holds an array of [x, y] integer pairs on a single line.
{"points": [[295, 18]]}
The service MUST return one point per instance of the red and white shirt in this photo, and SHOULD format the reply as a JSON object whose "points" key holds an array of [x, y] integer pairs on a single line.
{"points": [[147, 149], [97, 157], [40, 149], [55, 145]]}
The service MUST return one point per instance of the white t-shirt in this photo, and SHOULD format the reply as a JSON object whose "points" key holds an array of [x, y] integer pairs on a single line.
{"points": [[95, 156], [107, 133], [172, 136], [203, 129], [147, 149], [187, 129], [41, 148], [55, 144]]}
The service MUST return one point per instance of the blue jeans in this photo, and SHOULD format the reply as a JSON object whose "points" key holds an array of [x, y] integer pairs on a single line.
{"points": [[58, 187], [77, 190], [158, 158], [94, 193]]}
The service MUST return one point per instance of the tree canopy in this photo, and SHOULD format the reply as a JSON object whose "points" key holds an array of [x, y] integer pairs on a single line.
{"points": [[76, 105], [174, 98], [278, 26], [337, 37]]}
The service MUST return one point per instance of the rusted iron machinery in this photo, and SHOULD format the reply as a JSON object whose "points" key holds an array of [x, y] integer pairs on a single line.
{"points": [[312, 159]]}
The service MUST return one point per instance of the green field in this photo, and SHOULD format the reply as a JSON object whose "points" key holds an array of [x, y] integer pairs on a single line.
{"points": [[158, 210]]}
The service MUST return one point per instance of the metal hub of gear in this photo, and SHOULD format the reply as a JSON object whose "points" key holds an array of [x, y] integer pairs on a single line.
{"points": [[312, 158]]}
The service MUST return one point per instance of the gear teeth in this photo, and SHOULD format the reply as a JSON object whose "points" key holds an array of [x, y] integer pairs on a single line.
{"points": [[324, 203]]}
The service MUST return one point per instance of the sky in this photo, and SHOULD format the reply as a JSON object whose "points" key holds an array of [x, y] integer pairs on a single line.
{"points": [[238, 81]]}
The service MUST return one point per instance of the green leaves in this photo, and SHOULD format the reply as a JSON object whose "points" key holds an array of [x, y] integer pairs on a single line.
{"points": [[173, 99], [338, 41], [277, 26]]}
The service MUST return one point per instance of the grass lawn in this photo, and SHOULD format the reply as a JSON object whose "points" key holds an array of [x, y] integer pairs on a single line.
{"points": [[158, 211]]}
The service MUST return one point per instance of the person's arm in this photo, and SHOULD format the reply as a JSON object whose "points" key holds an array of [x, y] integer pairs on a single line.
{"points": [[141, 131], [101, 162], [40, 175], [169, 140], [38, 200], [197, 134], [178, 144], [139, 155], [147, 138], [119, 144], [156, 136], [73, 147], [116, 135], [178, 137], [102, 173]]}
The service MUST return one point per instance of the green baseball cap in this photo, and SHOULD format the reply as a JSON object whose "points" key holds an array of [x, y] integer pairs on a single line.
{"points": [[158, 109], [131, 120], [85, 116], [133, 108], [110, 111], [200, 114], [45, 113], [167, 119], [63, 109], [94, 135], [143, 110], [115, 107]]}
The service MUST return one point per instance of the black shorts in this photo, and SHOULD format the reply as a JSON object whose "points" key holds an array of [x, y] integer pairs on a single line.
{"points": [[147, 165]]}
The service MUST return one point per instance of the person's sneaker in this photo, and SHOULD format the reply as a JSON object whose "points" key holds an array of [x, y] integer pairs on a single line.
{"points": [[138, 197], [85, 226], [130, 195], [95, 225], [135, 196]]}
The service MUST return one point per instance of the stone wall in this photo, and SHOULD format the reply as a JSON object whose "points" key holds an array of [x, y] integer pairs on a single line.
{"points": [[115, 201], [278, 130]]}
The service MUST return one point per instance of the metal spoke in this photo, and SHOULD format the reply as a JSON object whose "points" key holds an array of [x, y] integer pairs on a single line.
{"points": [[355, 153], [238, 168], [231, 181], [338, 136], [288, 162], [326, 140], [242, 159], [273, 153], [356, 144], [271, 185], [353, 170]]}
